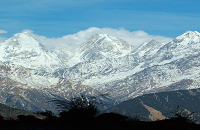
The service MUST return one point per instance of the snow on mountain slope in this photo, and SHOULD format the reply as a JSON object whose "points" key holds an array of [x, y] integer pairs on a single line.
{"points": [[182, 46], [149, 48], [100, 46], [148, 68], [27, 70], [172, 63], [105, 63], [108, 68], [105, 45], [102, 56], [31, 89], [89, 70], [23, 49], [157, 78]]}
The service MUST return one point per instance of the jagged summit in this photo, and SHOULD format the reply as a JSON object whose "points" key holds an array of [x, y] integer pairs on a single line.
{"points": [[106, 46], [22, 34], [189, 36], [104, 40], [100, 46], [24, 50], [191, 33], [153, 41], [188, 39], [149, 48], [151, 44], [22, 41], [182, 46]]}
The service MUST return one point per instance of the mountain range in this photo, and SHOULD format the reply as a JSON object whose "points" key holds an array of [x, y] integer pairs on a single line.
{"points": [[31, 75]]}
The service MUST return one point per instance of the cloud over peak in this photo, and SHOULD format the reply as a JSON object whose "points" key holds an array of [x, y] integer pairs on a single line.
{"points": [[134, 38], [73, 41]]}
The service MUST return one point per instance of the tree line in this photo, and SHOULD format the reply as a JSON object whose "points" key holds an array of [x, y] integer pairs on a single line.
{"points": [[82, 113]]}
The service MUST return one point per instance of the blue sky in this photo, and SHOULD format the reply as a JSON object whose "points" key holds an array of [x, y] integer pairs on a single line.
{"points": [[58, 18]]}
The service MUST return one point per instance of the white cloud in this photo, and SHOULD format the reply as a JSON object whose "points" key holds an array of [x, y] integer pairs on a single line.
{"points": [[2, 39], [134, 38], [52, 43], [27, 30], [49, 43], [3, 31], [70, 42]]}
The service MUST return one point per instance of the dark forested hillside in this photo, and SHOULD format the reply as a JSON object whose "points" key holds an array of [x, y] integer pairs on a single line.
{"points": [[7, 111], [160, 105], [81, 113]]}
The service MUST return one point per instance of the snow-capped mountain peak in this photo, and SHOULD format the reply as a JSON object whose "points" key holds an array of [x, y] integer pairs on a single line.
{"points": [[105, 46], [22, 49], [105, 41], [188, 37], [151, 44], [149, 48], [191, 33], [22, 42]]}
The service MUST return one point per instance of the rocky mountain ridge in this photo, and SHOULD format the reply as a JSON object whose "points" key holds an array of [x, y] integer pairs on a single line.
{"points": [[103, 64]]}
